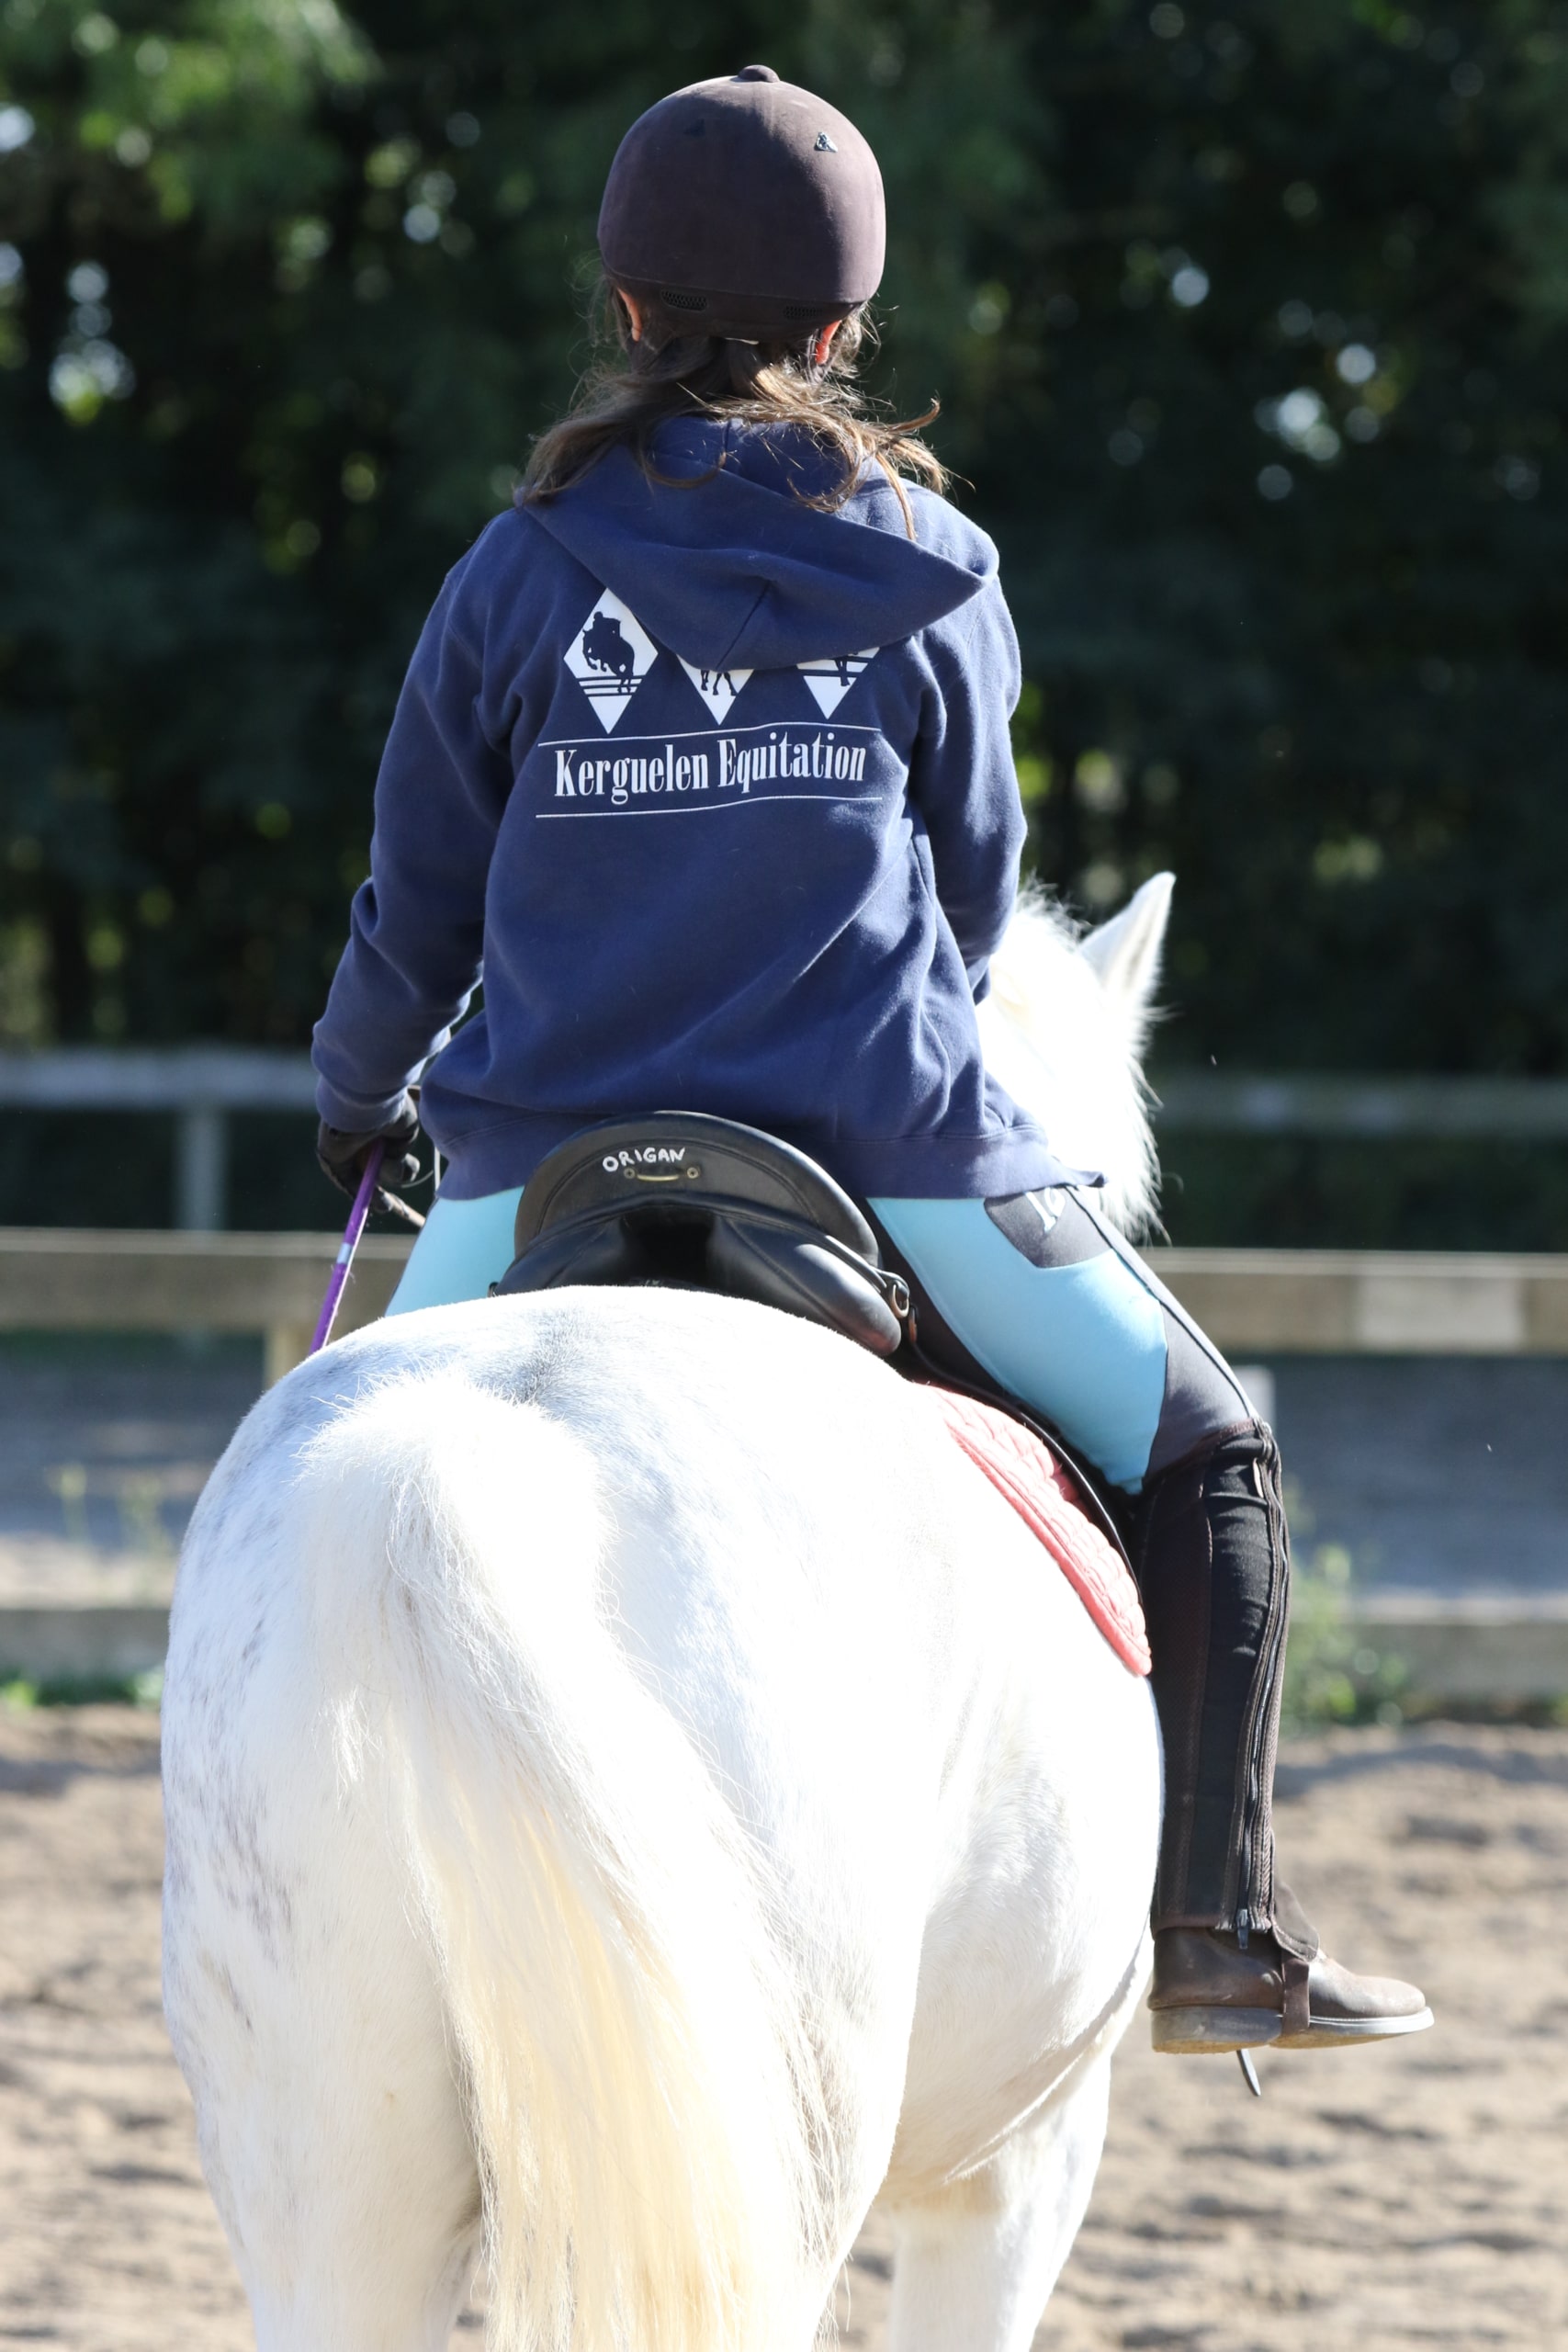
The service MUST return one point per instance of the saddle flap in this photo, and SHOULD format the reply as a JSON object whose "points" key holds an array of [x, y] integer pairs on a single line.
{"points": [[750, 1258], [601, 1252]]}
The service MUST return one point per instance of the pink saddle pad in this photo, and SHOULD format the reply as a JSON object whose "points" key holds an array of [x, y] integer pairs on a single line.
{"points": [[1022, 1468]]}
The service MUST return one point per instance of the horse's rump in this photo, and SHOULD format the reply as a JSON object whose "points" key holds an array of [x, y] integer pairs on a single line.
{"points": [[732, 1742]]}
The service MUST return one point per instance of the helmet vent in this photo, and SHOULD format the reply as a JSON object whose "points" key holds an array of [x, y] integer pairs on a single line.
{"points": [[807, 312], [676, 301]]}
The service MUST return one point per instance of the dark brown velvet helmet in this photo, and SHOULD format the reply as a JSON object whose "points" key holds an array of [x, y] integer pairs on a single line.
{"points": [[744, 207]]}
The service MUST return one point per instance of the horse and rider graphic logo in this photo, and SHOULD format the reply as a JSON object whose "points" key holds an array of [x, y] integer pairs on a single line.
{"points": [[831, 679], [612, 653], [610, 657], [717, 688], [604, 647]]}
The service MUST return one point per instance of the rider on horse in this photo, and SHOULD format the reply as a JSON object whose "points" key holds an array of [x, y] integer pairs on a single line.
{"points": [[720, 507]]}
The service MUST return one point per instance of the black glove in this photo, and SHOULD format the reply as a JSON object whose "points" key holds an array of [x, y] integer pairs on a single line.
{"points": [[342, 1157]]}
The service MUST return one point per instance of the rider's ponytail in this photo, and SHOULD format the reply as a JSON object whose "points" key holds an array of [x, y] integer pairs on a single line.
{"points": [[634, 387]]}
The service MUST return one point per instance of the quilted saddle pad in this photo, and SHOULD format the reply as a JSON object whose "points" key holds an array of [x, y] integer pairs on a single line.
{"points": [[1022, 1468]]}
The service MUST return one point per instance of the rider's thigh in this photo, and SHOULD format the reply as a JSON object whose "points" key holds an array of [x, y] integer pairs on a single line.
{"points": [[1060, 1310], [465, 1246]]}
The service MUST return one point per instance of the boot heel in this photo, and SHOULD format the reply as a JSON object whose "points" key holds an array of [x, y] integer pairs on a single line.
{"points": [[1213, 2032]]}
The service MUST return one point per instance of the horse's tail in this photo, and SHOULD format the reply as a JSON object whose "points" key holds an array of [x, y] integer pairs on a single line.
{"points": [[622, 2022]]}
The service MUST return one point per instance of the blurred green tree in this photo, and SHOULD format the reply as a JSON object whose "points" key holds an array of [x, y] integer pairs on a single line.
{"points": [[1250, 332]]}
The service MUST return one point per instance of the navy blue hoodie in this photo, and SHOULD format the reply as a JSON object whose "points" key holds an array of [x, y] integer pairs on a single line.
{"points": [[714, 790]]}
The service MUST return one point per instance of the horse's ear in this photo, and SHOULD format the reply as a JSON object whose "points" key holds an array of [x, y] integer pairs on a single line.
{"points": [[1124, 952]]}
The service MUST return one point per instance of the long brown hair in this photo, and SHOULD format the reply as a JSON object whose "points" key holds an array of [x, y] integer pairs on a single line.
{"points": [[633, 387]]}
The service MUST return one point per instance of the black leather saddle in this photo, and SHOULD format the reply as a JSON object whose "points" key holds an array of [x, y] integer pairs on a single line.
{"points": [[680, 1198]]}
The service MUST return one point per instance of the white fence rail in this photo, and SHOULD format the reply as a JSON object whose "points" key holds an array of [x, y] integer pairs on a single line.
{"points": [[1252, 1302], [1378, 1110], [63, 1278], [200, 1085]]}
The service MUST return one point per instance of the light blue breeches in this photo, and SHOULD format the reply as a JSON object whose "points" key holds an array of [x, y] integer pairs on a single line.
{"points": [[1039, 1290]]}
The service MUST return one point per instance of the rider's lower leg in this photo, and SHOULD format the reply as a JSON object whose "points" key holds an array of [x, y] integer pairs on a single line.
{"points": [[1236, 1964], [1043, 1297]]}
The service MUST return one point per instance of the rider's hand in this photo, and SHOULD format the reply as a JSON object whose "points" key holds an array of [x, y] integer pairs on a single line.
{"points": [[342, 1157]]}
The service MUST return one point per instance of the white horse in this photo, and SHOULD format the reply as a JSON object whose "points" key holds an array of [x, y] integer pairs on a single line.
{"points": [[637, 1794]]}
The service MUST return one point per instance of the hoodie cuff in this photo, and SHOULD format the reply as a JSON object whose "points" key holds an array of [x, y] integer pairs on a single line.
{"points": [[359, 1114]]}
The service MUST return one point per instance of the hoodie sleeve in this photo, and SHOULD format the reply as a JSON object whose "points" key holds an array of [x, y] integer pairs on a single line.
{"points": [[962, 781], [416, 928]]}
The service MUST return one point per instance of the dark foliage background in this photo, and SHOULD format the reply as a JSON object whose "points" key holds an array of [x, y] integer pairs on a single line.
{"points": [[1250, 333]]}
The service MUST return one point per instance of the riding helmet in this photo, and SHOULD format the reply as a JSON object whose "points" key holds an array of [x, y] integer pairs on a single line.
{"points": [[744, 207]]}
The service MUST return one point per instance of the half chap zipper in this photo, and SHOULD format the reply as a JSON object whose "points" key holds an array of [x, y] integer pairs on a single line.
{"points": [[1250, 1867]]}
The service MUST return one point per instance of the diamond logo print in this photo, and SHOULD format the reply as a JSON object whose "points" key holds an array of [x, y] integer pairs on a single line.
{"points": [[610, 657], [830, 680], [717, 688]]}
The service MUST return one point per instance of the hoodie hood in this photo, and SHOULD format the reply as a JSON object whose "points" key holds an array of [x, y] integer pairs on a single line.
{"points": [[725, 565]]}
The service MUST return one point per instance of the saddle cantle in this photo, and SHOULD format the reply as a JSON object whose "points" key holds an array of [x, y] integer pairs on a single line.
{"points": [[680, 1197]]}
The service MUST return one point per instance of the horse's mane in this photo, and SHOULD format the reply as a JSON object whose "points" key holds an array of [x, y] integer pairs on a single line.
{"points": [[1065, 1029]]}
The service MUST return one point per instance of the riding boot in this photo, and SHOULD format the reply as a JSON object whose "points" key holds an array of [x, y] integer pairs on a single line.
{"points": [[1237, 1963]]}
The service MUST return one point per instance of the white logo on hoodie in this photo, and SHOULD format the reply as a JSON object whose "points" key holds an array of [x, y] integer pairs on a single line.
{"points": [[610, 657], [832, 679], [717, 688]]}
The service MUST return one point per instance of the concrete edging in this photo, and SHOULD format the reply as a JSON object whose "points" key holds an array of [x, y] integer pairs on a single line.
{"points": [[1484, 1649], [91, 1644], [1477, 1650]]}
